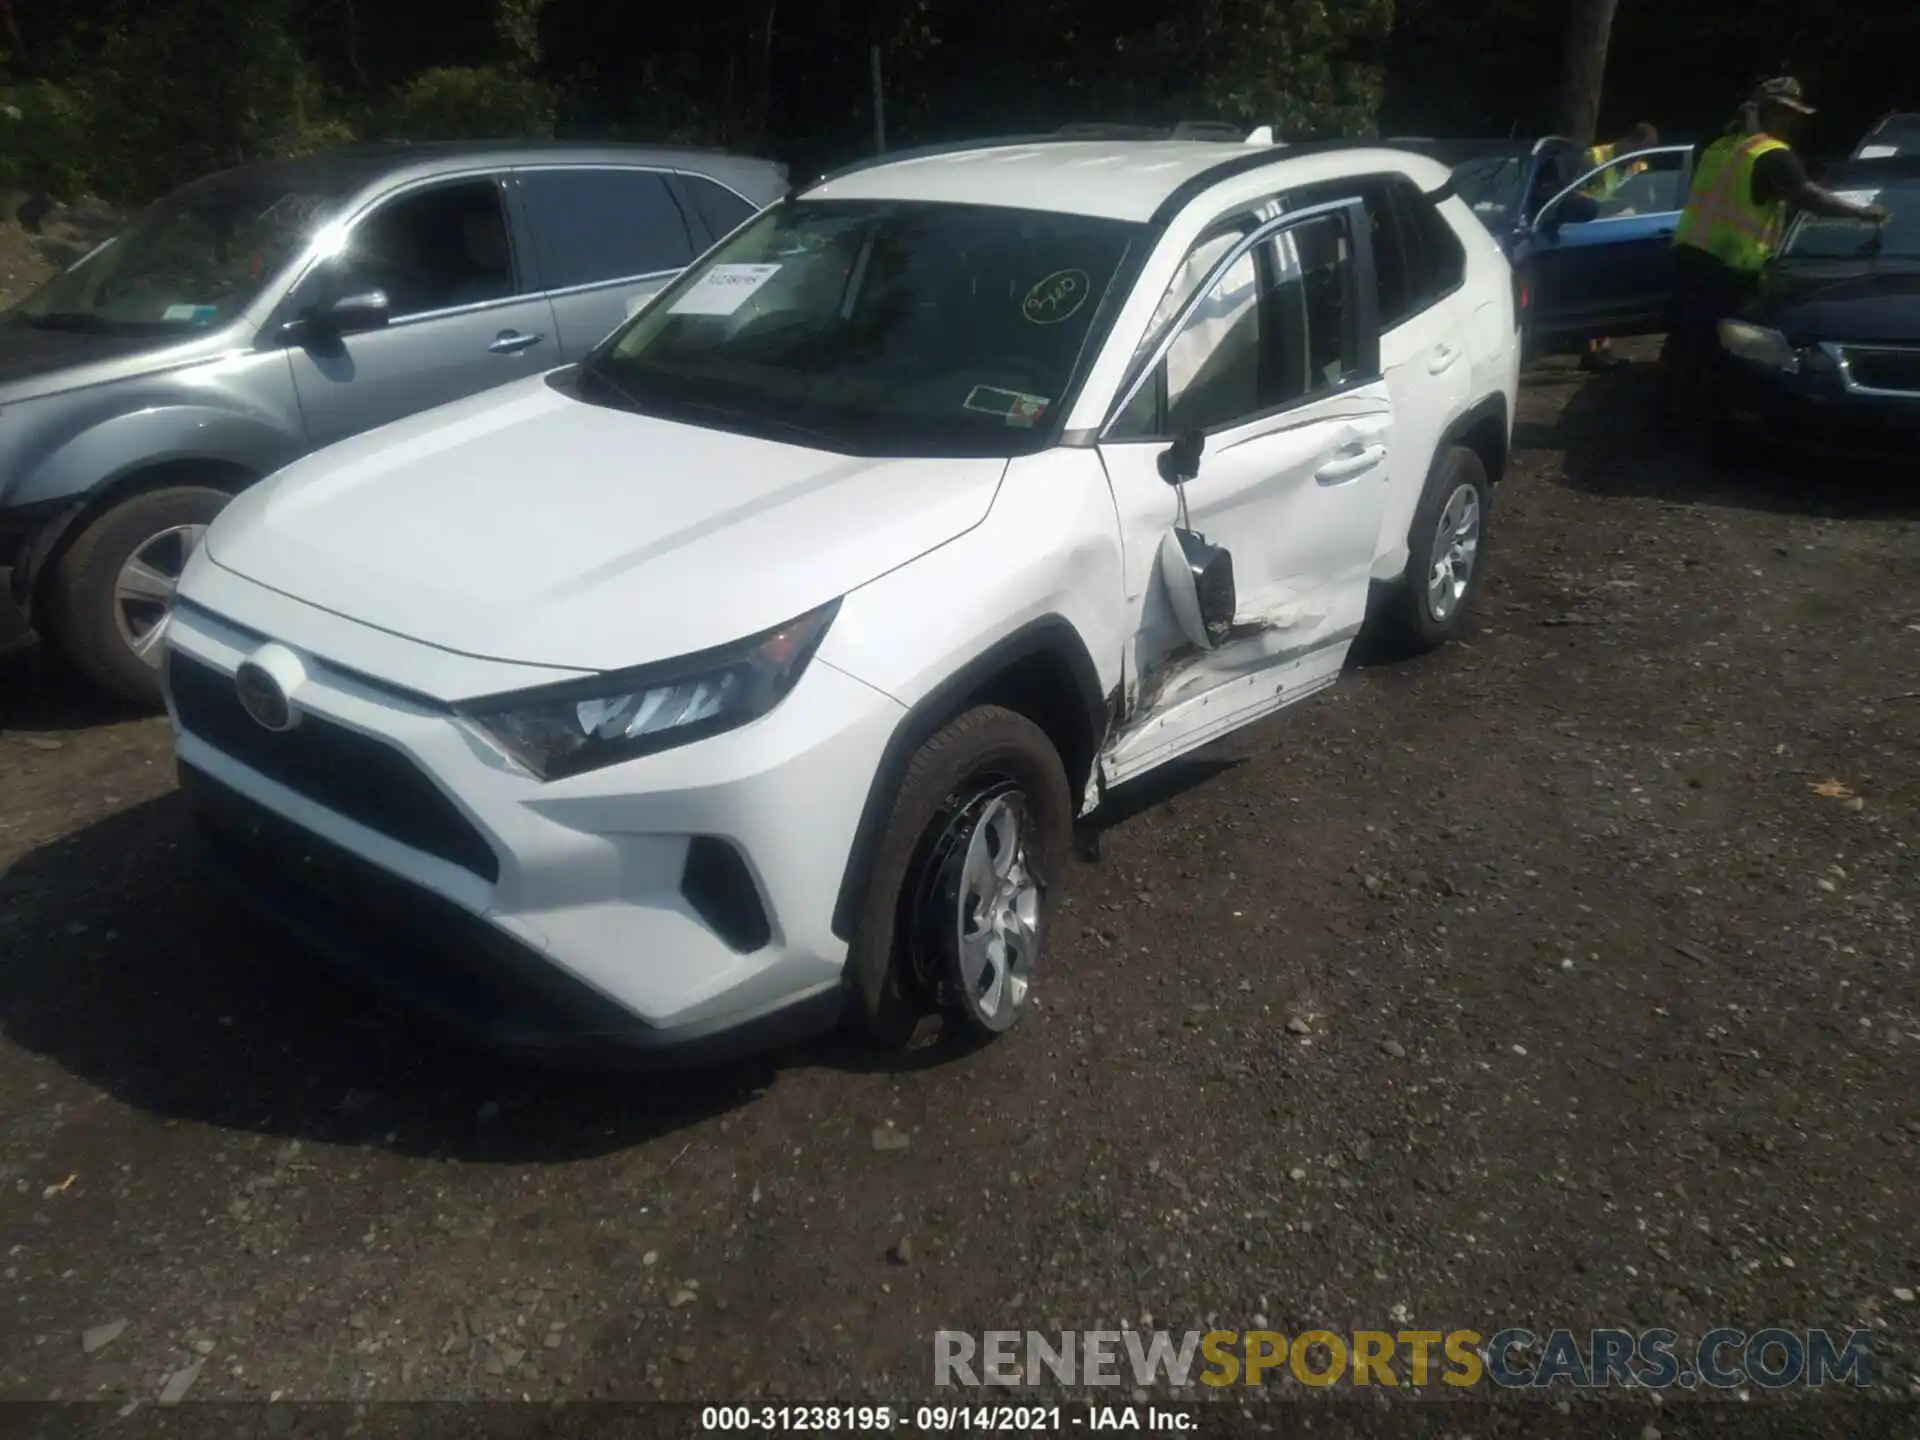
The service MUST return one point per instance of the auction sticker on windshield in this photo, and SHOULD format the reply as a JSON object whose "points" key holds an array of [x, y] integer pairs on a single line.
{"points": [[723, 289], [1019, 410]]}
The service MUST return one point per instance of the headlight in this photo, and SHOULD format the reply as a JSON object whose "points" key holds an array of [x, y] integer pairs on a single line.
{"points": [[1758, 345], [561, 730]]}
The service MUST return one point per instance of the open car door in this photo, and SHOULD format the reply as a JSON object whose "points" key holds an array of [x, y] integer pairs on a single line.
{"points": [[1599, 254]]}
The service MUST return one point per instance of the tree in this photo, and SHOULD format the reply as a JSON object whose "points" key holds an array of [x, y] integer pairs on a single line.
{"points": [[1584, 67]]}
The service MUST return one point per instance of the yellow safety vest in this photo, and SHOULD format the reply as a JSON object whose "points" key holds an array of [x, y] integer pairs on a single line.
{"points": [[1720, 215], [1598, 155]]}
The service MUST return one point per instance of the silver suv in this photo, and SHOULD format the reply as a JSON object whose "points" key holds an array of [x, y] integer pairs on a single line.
{"points": [[264, 312]]}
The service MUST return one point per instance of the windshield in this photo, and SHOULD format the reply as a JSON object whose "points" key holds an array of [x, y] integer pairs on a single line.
{"points": [[1815, 238], [1491, 185], [876, 327], [191, 262]]}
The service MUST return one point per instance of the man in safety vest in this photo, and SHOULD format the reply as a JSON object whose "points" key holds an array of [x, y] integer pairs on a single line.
{"points": [[1599, 351], [1744, 185]]}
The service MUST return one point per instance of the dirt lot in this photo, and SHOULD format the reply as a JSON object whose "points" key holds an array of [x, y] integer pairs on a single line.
{"points": [[1566, 977]]}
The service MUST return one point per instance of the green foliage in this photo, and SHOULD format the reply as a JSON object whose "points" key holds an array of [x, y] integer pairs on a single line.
{"points": [[1301, 65], [461, 102], [43, 139], [200, 85], [518, 24]]}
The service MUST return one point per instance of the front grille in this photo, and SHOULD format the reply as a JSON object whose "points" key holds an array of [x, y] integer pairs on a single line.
{"points": [[429, 951], [354, 775], [1884, 369]]}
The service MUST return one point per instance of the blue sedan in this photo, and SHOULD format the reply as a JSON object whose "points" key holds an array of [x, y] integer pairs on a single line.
{"points": [[1592, 248]]}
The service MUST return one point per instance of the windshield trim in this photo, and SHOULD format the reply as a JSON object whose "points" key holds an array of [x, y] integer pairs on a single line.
{"points": [[1051, 433], [1864, 255]]}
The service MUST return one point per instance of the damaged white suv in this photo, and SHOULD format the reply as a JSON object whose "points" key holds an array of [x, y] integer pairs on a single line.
{"points": [[752, 675]]}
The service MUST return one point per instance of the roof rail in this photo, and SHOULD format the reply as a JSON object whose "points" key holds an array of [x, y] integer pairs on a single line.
{"points": [[1090, 130], [1123, 130], [928, 152], [1212, 175], [1209, 130]]}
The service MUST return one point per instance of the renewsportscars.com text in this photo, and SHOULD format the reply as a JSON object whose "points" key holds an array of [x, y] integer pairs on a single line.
{"points": [[1510, 1359]]}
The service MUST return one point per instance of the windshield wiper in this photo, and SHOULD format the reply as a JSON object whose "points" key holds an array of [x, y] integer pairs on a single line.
{"points": [[71, 320], [598, 374], [755, 420], [666, 406]]}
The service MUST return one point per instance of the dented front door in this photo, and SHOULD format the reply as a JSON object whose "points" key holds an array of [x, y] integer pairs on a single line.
{"points": [[1277, 364]]}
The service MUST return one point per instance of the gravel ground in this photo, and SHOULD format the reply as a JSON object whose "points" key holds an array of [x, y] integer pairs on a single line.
{"points": [[1564, 978]]}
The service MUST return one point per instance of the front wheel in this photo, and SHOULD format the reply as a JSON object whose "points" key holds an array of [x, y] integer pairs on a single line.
{"points": [[964, 882], [1446, 551], [111, 589]]}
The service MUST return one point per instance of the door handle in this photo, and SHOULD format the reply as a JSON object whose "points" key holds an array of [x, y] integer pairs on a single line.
{"points": [[1350, 461], [1443, 358], [512, 342]]}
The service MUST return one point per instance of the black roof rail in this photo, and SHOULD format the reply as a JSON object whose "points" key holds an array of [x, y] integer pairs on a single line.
{"points": [[1127, 130], [1089, 130], [928, 152], [1211, 130], [1226, 168], [1109, 130], [1253, 159]]}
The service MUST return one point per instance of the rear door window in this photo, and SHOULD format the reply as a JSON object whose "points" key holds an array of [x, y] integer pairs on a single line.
{"points": [[718, 207], [1400, 265], [591, 226]]}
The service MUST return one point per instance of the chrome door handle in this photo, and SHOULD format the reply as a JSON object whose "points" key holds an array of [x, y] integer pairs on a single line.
{"points": [[1443, 359], [1350, 461], [512, 342]]}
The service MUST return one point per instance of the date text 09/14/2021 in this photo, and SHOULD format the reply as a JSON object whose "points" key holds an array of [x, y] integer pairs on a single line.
{"points": [[941, 1419]]}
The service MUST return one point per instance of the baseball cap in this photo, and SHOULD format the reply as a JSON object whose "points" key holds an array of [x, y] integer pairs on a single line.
{"points": [[1783, 90]]}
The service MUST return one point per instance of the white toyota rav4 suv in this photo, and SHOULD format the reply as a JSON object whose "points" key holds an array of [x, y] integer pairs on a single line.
{"points": [[755, 673]]}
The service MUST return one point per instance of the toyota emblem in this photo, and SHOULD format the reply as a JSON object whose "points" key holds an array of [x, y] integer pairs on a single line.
{"points": [[263, 697]]}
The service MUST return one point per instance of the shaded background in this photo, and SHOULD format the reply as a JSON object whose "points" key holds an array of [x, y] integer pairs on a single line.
{"points": [[126, 99]]}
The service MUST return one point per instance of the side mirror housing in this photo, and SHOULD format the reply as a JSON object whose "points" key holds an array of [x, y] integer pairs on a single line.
{"points": [[350, 314], [1180, 461], [328, 320]]}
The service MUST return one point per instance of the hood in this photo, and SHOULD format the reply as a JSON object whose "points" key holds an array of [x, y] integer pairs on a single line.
{"points": [[526, 525], [1848, 300], [35, 362]]}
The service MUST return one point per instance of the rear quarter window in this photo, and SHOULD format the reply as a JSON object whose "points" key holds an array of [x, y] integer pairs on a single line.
{"points": [[1437, 260], [718, 207]]}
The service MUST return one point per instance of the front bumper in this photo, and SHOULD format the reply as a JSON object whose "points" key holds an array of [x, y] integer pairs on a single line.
{"points": [[1813, 413], [677, 905]]}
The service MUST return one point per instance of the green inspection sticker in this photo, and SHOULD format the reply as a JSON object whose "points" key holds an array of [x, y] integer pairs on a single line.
{"points": [[1017, 409]]}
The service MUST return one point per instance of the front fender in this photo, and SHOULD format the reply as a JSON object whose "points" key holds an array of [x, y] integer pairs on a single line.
{"points": [[94, 457]]}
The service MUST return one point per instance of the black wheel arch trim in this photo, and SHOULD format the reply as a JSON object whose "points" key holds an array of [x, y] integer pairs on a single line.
{"points": [[1490, 407], [1050, 635], [65, 518]]}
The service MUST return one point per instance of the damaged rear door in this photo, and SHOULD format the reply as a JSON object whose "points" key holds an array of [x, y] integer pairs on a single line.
{"points": [[1260, 402]]}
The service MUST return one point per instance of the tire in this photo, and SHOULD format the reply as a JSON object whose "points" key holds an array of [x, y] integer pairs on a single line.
{"points": [[95, 631], [910, 953], [1414, 611]]}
